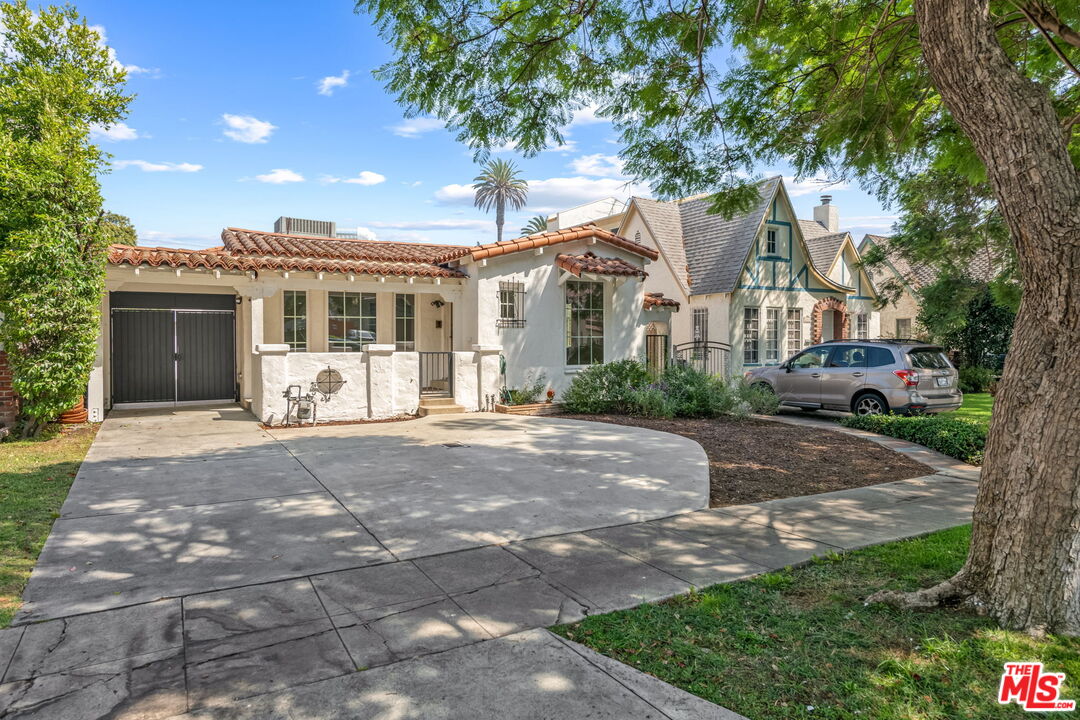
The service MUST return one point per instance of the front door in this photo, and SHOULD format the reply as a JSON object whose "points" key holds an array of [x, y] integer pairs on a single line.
{"points": [[799, 382]]}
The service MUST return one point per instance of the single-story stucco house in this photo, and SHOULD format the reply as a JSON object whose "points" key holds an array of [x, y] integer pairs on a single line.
{"points": [[380, 323]]}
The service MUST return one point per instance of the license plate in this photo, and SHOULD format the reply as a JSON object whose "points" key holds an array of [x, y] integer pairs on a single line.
{"points": [[943, 382]]}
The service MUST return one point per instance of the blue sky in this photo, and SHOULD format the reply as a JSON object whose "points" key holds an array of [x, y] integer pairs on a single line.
{"points": [[250, 110]]}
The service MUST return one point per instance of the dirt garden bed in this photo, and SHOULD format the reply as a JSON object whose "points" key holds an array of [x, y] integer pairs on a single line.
{"points": [[752, 461]]}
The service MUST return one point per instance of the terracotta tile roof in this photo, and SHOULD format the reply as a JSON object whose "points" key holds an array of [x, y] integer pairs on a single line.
{"points": [[254, 242], [554, 237], [221, 259], [245, 250], [655, 299], [592, 263]]}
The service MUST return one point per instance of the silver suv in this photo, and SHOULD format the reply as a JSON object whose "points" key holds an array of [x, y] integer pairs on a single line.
{"points": [[865, 377]]}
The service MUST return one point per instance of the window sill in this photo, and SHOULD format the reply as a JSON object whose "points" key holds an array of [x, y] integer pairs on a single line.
{"points": [[574, 369]]}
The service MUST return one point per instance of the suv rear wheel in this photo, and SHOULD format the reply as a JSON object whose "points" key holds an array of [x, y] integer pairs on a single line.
{"points": [[869, 403]]}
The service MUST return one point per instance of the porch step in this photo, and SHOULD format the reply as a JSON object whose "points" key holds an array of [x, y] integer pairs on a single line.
{"points": [[436, 400], [438, 406]]}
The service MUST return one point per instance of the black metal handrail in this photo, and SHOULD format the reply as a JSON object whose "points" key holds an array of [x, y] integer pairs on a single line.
{"points": [[437, 373]]}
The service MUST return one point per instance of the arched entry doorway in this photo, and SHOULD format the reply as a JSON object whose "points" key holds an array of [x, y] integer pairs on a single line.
{"points": [[829, 320]]}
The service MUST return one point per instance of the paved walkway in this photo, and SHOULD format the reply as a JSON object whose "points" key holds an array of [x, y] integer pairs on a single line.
{"points": [[451, 635]]}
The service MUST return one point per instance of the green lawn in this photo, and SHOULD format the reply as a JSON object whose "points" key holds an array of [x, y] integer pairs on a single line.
{"points": [[35, 476], [801, 643], [977, 406]]}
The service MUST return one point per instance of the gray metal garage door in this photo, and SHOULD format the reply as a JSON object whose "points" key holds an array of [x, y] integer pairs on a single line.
{"points": [[172, 347]]}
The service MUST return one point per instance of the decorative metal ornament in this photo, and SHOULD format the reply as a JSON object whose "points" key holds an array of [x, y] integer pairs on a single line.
{"points": [[328, 382]]}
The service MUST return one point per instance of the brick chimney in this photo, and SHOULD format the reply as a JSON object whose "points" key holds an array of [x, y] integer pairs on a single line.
{"points": [[827, 214]]}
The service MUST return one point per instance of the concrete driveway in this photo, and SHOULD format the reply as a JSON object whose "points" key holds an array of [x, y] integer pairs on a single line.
{"points": [[173, 502]]}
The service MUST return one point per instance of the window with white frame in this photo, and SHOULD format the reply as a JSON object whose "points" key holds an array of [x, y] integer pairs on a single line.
{"points": [[584, 322], [794, 330], [701, 325], [511, 304], [350, 320], [862, 326], [772, 335], [295, 320], [770, 241], [404, 322], [751, 336]]}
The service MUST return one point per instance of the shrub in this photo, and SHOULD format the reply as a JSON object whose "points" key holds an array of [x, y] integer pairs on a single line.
{"points": [[962, 439], [762, 400], [653, 402], [528, 394], [696, 394], [623, 387], [608, 388], [976, 379]]}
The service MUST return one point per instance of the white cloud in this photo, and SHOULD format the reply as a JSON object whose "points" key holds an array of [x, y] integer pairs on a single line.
{"points": [[599, 165], [149, 238], [415, 127], [870, 222], [114, 133], [131, 69], [444, 224], [366, 233], [328, 84], [158, 166], [279, 176], [553, 194], [809, 186], [587, 116], [247, 129], [569, 146], [367, 177]]}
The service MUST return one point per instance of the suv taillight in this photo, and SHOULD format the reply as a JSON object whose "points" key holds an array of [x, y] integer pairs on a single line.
{"points": [[910, 377]]}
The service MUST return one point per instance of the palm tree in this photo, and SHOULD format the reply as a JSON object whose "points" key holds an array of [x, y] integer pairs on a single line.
{"points": [[536, 224], [498, 185]]}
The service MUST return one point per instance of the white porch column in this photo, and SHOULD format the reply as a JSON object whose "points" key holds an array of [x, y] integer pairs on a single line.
{"points": [[487, 371], [252, 321], [270, 376], [380, 380]]}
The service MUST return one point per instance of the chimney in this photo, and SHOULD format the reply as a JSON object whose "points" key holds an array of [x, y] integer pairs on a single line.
{"points": [[827, 214]]}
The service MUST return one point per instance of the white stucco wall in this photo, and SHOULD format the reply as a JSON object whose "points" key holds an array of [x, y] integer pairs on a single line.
{"points": [[540, 346], [379, 383]]}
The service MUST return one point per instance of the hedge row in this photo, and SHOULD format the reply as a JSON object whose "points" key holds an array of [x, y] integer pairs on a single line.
{"points": [[962, 439]]}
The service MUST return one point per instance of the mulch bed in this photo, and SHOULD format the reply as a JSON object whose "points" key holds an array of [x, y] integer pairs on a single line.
{"points": [[751, 460]]}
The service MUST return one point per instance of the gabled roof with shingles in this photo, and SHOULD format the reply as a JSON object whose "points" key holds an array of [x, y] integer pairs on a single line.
{"points": [[716, 248], [812, 229], [665, 225], [823, 249]]}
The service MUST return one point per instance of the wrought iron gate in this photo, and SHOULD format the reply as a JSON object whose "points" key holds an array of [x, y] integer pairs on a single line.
{"points": [[656, 353], [436, 373], [709, 357]]}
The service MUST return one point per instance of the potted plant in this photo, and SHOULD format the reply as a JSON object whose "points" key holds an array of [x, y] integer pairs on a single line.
{"points": [[550, 395]]}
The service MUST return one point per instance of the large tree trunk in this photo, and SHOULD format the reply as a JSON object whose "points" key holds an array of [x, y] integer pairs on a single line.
{"points": [[1024, 563]]}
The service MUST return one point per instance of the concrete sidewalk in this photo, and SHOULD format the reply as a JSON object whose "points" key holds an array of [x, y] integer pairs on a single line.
{"points": [[448, 636]]}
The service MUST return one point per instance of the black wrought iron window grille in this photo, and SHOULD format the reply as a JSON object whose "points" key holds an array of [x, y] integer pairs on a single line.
{"points": [[511, 305]]}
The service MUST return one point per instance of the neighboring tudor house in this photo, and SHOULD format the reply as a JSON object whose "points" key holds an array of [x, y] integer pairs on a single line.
{"points": [[898, 318], [762, 284], [377, 323]]}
